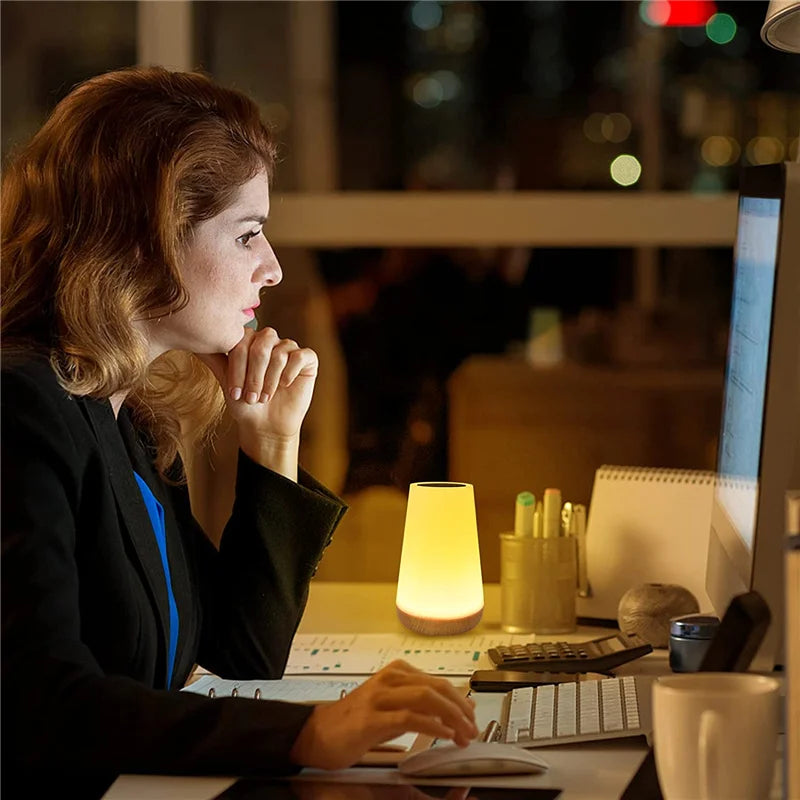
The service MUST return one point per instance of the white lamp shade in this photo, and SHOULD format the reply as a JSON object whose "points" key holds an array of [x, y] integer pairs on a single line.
{"points": [[440, 587], [781, 29]]}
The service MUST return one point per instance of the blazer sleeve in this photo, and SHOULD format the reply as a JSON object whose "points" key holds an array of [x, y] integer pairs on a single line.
{"points": [[64, 720], [254, 589]]}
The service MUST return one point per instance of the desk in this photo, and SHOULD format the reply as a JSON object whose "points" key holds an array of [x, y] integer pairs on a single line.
{"points": [[595, 771]]}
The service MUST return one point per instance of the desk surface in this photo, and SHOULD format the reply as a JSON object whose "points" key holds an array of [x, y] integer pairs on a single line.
{"points": [[596, 771]]}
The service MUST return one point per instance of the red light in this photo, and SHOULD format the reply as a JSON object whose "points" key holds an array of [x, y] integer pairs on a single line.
{"points": [[680, 13]]}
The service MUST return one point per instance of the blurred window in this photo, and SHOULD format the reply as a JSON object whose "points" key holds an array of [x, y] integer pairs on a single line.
{"points": [[48, 47]]}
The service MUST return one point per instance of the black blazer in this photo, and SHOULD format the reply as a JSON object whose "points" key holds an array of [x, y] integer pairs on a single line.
{"points": [[84, 601]]}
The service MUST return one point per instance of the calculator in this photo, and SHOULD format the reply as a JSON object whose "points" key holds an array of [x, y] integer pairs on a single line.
{"points": [[593, 655]]}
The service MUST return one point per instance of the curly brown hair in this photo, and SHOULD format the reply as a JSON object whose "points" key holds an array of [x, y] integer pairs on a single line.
{"points": [[96, 210]]}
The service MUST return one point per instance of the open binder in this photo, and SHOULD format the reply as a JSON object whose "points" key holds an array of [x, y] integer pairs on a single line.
{"points": [[646, 525]]}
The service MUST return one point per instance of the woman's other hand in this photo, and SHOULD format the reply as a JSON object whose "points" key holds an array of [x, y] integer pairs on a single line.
{"points": [[397, 700], [268, 384]]}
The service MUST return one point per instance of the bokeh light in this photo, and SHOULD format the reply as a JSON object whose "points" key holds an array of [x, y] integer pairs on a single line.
{"points": [[625, 170], [593, 127], [461, 29], [720, 151], [428, 92], [654, 12], [764, 150], [721, 28], [616, 127], [449, 81], [426, 14]]}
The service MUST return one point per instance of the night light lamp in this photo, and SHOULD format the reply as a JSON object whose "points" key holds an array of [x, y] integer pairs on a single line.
{"points": [[440, 588]]}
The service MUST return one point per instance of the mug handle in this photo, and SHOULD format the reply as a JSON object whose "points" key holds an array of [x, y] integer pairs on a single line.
{"points": [[708, 739]]}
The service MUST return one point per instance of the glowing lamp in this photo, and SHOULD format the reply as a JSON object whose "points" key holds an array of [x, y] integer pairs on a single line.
{"points": [[440, 587]]}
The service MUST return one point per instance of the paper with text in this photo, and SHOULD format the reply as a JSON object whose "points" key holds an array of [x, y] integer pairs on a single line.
{"points": [[366, 653]]}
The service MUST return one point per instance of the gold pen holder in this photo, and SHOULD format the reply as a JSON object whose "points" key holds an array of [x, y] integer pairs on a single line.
{"points": [[538, 580]]}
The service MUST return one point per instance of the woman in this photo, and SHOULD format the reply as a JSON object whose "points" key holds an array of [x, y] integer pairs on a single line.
{"points": [[133, 229]]}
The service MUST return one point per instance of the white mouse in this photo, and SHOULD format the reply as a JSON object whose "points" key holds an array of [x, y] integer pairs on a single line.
{"points": [[477, 758]]}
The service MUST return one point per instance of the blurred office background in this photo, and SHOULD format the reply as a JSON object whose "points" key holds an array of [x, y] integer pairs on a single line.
{"points": [[507, 227]]}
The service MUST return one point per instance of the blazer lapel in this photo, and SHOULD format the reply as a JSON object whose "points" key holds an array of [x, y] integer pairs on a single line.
{"points": [[132, 511], [178, 567]]}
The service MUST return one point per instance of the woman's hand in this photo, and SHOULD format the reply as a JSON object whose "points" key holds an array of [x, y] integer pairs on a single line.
{"points": [[398, 699], [268, 384]]}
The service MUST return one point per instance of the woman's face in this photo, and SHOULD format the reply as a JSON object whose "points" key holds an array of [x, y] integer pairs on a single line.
{"points": [[225, 265]]}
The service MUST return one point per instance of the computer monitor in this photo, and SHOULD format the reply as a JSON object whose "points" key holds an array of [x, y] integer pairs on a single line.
{"points": [[759, 443]]}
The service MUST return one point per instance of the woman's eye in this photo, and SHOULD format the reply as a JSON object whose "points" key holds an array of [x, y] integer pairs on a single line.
{"points": [[246, 237]]}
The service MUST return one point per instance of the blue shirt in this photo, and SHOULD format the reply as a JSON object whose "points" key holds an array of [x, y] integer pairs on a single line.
{"points": [[156, 513]]}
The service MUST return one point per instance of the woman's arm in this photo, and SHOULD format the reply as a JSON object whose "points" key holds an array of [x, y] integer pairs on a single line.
{"points": [[254, 588]]}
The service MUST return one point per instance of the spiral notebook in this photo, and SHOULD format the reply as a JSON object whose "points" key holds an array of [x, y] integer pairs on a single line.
{"points": [[646, 525]]}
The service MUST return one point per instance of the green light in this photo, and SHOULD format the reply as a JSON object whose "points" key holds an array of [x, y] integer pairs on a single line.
{"points": [[721, 28]]}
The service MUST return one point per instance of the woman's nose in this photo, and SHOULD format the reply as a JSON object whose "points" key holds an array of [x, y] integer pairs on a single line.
{"points": [[269, 271]]}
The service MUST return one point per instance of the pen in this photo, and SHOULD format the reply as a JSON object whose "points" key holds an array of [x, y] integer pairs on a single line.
{"points": [[578, 528], [523, 514], [537, 521], [551, 524]]}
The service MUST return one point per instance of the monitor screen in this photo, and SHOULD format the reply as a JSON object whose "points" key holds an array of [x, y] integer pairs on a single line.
{"points": [[748, 357]]}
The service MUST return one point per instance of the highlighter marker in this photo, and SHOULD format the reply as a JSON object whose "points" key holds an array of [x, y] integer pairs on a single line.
{"points": [[523, 514], [551, 524]]}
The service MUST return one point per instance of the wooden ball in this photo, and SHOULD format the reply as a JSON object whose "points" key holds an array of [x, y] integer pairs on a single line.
{"points": [[647, 608]]}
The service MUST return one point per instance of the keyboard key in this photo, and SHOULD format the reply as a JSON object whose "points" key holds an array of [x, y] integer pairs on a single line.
{"points": [[631, 702], [612, 705], [567, 709], [589, 707], [544, 712], [519, 713]]}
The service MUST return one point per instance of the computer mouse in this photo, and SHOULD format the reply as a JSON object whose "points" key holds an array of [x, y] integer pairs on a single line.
{"points": [[477, 758]]}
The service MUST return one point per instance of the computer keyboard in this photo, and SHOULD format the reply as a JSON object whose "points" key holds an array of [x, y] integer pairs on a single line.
{"points": [[583, 711]]}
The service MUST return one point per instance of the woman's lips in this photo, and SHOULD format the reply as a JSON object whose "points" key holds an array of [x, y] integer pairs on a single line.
{"points": [[250, 312]]}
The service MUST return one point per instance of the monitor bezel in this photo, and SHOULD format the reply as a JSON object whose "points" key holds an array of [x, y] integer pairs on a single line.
{"points": [[731, 568]]}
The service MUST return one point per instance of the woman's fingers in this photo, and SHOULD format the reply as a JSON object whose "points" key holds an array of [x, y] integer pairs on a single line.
{"points": [[262, 362], [302, 361], [425, 702], [266, 359], [395, 723], [237, 365], [400, 673], [276, 373]]}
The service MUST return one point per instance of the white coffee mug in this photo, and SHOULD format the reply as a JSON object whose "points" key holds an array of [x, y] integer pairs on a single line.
{"points": [[715, 735]]}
